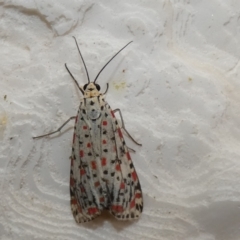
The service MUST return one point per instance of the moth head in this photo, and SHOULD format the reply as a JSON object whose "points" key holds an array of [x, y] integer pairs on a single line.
{"points": [[91, 89]]}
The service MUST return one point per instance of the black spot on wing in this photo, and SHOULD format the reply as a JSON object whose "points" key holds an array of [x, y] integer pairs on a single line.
{"points": [[139, 207]]}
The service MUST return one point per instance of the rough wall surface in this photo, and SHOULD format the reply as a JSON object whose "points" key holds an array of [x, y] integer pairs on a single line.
{"points": [[178, 88]]}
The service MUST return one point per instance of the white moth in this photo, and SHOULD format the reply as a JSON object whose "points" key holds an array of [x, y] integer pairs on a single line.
{"points": [[102, 173]]}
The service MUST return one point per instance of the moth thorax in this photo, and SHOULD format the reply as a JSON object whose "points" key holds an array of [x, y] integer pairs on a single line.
{"points": [[91, 94], [93, 108], [94, 114]]}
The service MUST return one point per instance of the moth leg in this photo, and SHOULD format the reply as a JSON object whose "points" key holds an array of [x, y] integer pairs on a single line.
{"points": [[123, 127], [130, 149], [58, 130]]}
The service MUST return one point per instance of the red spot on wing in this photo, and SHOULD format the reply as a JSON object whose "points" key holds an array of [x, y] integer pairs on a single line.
{"points": [[118, 168], [89, 145], [104, 141], [82, 171], [138, 195], [74, 201], [92, 211], [113, 115], [132, 204], [122, 185], [134, 176], [97, 184], [117, 208], [81, 153], [104, 161], [120, 133], [72, 182], [84, 127], [82, 189], [128, 156], [104, 123], [102, 199], [94, 165]]}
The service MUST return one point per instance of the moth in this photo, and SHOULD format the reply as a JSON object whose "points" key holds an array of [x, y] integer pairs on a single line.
{"points": [[102, 173]]}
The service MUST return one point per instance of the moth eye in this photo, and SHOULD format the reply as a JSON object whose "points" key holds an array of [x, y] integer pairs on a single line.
{"points": [[85, 86], [98, 87]]}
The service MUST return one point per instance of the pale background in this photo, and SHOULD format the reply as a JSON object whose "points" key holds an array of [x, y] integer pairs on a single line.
{"points": [[178, 88]]}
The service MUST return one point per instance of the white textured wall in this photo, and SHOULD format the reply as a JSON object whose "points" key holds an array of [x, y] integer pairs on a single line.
{"points": [[179, 94]]}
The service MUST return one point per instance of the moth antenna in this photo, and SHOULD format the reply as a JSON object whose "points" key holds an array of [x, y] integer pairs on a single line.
{"points": [[110, 61], [74, 79], [106, 89], [82, 59]]}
